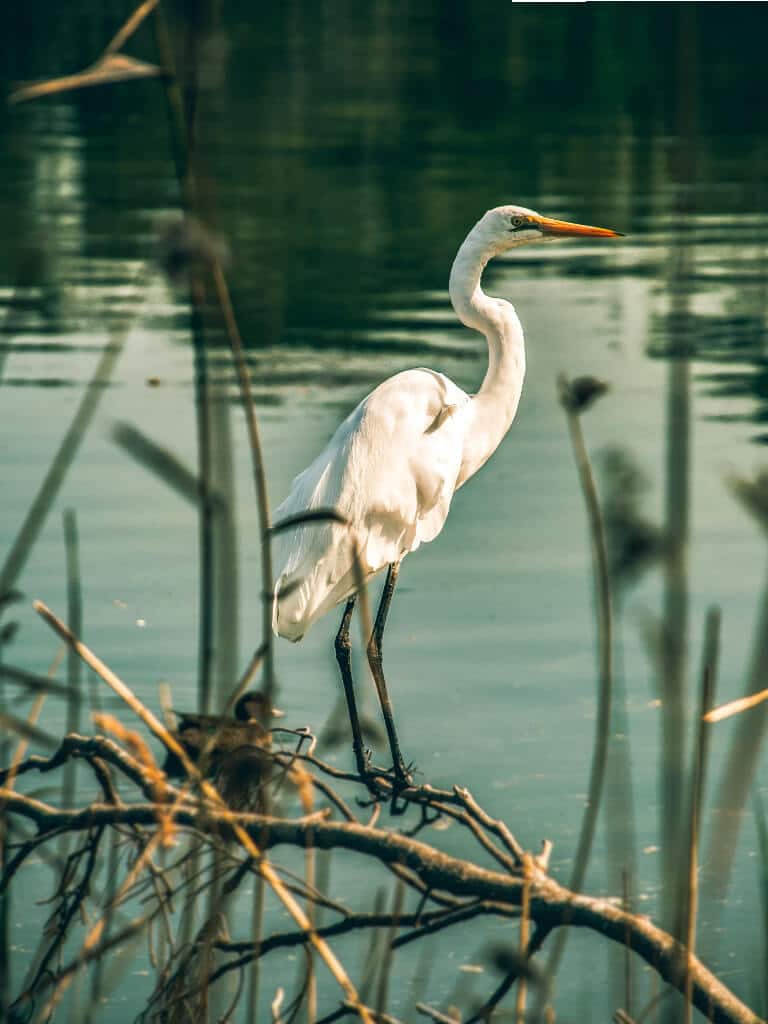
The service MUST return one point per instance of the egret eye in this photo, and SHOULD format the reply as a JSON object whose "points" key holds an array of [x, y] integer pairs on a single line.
{"points": [[517, 222]]}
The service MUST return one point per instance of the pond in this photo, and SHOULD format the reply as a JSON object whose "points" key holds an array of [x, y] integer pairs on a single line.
{"points": [[343, 156]]}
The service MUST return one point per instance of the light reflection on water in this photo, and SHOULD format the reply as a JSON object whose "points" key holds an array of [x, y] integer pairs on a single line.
{"points": [[341, 235]]}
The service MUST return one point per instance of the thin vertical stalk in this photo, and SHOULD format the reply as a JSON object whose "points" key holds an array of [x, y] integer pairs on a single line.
{"points": [[673, 689], [674, 634], [604, 625], [740, 766], [698, 766], [620, 816], [5, 895], [182, 109], [626, 902], [257, 460], [183, 112], [310, 876], [74, 680], [74, 664], [382, 995], [205, 508], [762, 848], [226, 567], [257, 917], [97, 976]]}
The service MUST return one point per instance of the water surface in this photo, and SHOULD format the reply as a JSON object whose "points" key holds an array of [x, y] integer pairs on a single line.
{"points": [[344, 158]]}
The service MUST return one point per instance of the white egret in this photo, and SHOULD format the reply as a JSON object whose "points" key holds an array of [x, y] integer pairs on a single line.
{"points": [[392, 467]]}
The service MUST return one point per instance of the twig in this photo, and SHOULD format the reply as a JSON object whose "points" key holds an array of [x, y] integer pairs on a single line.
{"points": [[551, 905], [243, 836], [736, 707], [130, 26]]}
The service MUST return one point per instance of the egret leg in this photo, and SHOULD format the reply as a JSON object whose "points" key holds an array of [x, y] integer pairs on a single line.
{"points": [[377, 670], [343, 647]]}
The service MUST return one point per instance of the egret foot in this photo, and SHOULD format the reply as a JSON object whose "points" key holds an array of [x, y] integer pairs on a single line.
{"points": [[399, 777]]}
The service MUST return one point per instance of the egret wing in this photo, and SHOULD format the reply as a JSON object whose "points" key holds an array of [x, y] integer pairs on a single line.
{"points": [[390, 469]]}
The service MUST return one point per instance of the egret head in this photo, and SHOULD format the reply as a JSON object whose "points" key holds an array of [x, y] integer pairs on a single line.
{"points": [[508, 226]]}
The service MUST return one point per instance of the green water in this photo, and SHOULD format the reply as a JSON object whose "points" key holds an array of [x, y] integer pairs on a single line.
{"points": [[345, 152]]}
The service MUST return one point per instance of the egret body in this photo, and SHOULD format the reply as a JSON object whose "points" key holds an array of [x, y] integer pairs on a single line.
{"points": [[392, 467]]}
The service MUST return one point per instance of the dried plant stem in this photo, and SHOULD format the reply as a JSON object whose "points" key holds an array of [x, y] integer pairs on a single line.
{"points": [[129, 27], [626, 902], [21, 749], [309, 877], [74, 664], [741, 764], [206, 542], [257, 921], [701, 745], [262, 865], [257, 458], [32, 718], [673, 679], [154, 725], [604, 617], [736, 707], [672, 682], [97, 930], [551, 905], [385, 968]]}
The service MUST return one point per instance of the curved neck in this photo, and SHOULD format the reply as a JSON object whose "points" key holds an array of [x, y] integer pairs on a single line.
{"points": [[497, 400]]}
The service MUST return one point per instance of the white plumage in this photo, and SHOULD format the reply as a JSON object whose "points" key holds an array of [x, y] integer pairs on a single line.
{"points": [[390, 469], [393, 465]]}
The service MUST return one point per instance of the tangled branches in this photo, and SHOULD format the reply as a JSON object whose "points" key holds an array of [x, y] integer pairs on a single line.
{"points": [[143, 812]]}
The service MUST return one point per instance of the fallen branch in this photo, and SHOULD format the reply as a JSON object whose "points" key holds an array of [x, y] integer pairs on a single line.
{"points": [[550, 904]]}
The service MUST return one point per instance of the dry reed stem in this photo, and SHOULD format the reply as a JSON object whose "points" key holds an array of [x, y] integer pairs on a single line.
{"points": [[735, 707], [32, 718], [604, 616], [144, 756], [129, 27], [114, 67], [166, 466], [303, 782], [21, 749], [262, 865], [97, 930], [257, 458], [155, 726], [699, 757]]}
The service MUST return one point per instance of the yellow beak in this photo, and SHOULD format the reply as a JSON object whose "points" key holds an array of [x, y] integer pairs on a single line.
{"points": [[564, 227]]}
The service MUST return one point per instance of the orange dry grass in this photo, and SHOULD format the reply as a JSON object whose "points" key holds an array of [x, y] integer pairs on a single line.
{"points": [[156, 777]]}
